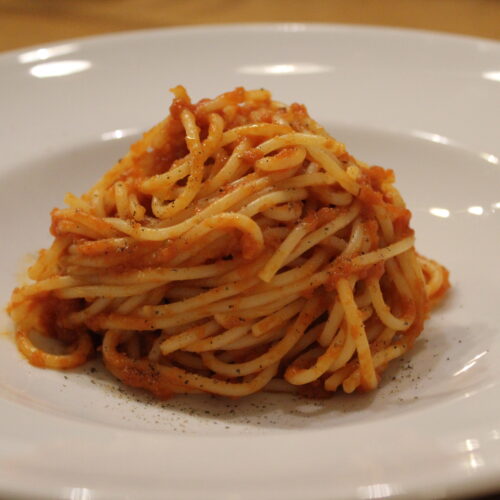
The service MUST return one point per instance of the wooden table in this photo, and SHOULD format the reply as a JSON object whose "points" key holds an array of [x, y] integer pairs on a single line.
{"points": [[31, 22]]}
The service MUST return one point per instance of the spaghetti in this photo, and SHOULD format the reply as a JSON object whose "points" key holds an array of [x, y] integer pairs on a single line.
{"points": [[236, 247]]}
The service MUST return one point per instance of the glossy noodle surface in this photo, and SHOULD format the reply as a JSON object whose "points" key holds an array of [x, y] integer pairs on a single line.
{"points": [[237, 247]]}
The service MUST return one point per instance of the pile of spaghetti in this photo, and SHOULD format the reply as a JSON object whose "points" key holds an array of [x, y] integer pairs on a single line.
{"points": [[236, 247]]}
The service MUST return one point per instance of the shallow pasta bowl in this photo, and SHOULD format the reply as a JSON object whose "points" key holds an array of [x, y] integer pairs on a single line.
{"points": [[420, 103]]}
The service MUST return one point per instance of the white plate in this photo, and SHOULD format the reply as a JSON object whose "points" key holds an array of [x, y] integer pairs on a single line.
{"points": [[423, 104]]}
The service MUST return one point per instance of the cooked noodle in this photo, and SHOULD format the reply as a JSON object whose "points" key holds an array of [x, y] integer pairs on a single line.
{"points": [[236, 246]]}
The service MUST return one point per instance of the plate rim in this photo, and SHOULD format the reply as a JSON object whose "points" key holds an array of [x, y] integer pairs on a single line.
{"points": [[315, 27]]}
